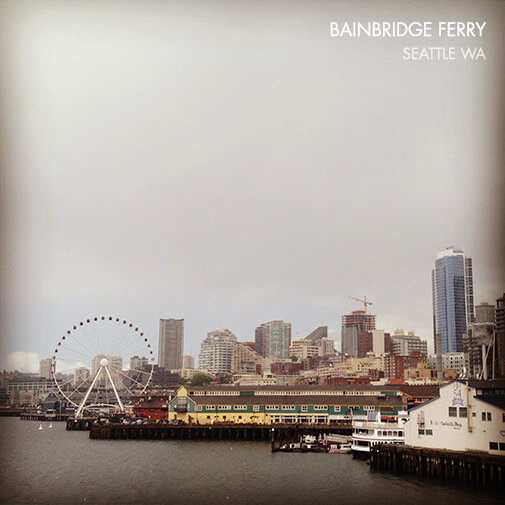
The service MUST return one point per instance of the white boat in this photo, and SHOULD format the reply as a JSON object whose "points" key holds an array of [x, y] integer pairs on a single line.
{"points": [[340, 448], [366, 434]]}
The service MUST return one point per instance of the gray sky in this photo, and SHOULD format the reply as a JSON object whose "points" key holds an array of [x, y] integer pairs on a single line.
{"points": [[230, 163]]}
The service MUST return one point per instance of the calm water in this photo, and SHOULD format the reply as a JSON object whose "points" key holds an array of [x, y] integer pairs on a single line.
{"points": [[53, 466]]}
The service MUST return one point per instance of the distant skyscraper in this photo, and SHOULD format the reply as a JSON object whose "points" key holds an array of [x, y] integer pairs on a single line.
{"points": [[452, 289], [358, 321], [216, 351], [137, 363], [273, 339], [45, 368], [500, 337], [188, 362], [171, 343]]}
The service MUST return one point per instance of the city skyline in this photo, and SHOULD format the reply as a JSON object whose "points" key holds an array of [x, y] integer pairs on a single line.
{"points": [[239, 165]]}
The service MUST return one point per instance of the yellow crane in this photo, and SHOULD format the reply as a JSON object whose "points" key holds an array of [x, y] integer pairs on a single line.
{"points": [[365, 302]]}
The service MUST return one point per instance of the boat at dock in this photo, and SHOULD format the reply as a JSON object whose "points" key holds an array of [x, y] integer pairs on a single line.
{"points": [[366, 434]]}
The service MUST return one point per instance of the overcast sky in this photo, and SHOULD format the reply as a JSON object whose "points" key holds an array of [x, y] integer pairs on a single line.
{"points": [[229, 163]]}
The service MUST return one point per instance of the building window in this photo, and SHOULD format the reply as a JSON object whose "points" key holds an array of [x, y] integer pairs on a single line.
{"points": [[493, 446], [463, 412], [336, 408], [453, 411], [288, 407], [256, 408], [320, 407], [420, 431], [272, 407], [429, 432], [305, 408], [489, 416], [502, 446], [199, 408], [483, 416]]}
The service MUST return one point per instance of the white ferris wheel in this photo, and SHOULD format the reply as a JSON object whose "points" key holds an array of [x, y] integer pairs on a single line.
{"points": [[99, 363]]}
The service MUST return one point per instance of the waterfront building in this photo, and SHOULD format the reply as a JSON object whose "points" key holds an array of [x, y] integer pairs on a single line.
{"points": [[45, 368], [464, 416], [152, 405], [28, 391], [291, 404], [358, 321], [452, 292], [216, 352], [273, 339], [171, 343]]}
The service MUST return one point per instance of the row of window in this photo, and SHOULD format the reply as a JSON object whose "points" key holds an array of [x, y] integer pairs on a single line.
{"points": [[422, 431], [458, 412], [495, 446], [303, 408]]}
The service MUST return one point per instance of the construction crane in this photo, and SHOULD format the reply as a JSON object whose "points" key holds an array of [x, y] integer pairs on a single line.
{"points": [[365, 302]]}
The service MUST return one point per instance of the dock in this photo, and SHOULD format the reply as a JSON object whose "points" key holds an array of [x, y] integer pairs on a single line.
{"points": [[277, 433], [25, 416], [470, 468]]}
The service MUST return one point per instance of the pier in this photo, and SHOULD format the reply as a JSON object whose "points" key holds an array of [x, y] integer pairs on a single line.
{"points": [[472, 468], [43, 417], [277, 433]]}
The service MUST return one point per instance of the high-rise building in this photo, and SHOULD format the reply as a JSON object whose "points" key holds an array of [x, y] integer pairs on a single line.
{"points": [[244, 359], [452, 291], [500, 336], [137, 363], [358, 321], [171, 343], [188, 362], [273, 339], [81, 375], [406, 344], [478, 343], [216, 351], [318, 334]]}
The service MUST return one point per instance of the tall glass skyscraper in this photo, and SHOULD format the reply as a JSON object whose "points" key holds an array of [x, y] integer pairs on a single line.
{"points": [[452, 288]]}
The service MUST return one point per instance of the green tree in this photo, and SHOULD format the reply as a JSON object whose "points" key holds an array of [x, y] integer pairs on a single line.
{"points": [[201, 379]]}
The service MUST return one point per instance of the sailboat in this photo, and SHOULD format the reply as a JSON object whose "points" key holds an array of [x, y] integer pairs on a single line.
{"points": [[40, 426], [50, 425]]}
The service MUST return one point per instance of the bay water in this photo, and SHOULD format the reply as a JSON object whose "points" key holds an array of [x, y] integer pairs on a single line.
{"points": [[51, 466]]}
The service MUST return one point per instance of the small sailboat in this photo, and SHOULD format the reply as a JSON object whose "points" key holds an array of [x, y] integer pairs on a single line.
{"points": [[40, 426], [50, 425]]}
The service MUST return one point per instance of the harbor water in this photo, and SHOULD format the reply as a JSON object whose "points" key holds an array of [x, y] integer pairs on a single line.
{"points": [[52, 466]]}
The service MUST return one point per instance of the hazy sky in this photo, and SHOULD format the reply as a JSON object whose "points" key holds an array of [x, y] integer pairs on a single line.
{"points": [[230, 163]]}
